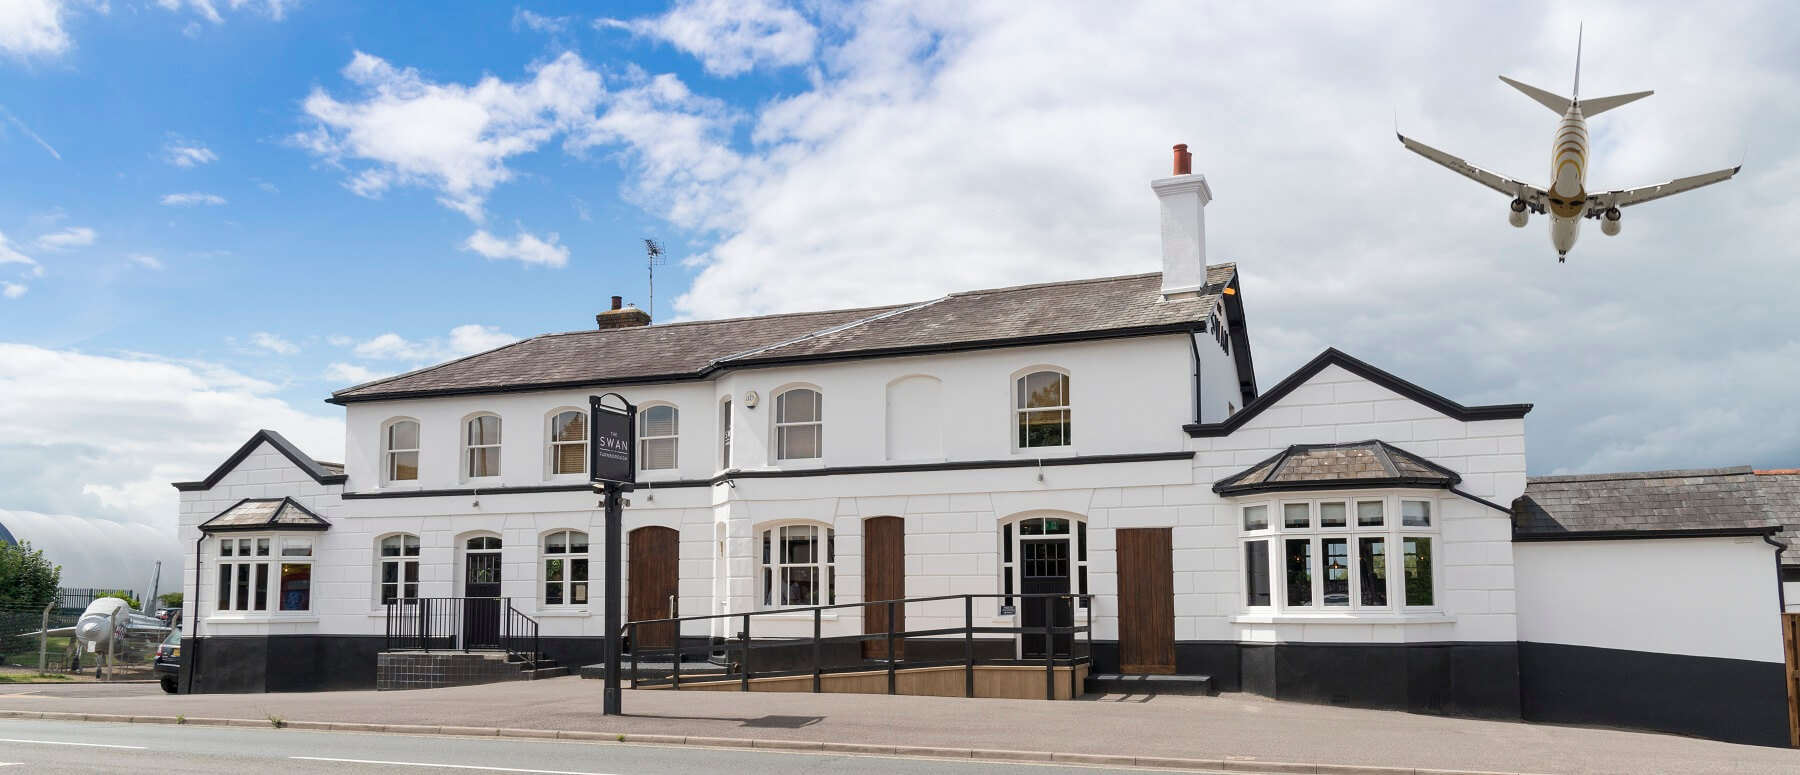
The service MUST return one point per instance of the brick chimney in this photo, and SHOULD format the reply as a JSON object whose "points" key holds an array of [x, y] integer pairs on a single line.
{"points": [[1184, 196], [622, 316]]}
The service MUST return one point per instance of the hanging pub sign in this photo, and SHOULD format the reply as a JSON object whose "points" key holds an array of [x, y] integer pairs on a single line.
{"points": [[612, 441]]}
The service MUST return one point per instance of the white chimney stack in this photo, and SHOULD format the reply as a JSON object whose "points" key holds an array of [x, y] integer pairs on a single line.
{"points": [[1184, 199]]}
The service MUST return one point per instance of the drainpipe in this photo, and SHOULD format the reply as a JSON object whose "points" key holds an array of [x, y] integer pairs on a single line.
{"points": [[1194, 344], [194, 667], [1780, 588]]}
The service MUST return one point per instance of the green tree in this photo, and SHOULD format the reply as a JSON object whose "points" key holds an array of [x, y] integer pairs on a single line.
{"points": [[170, 599], [129, 598], [26, 578]]}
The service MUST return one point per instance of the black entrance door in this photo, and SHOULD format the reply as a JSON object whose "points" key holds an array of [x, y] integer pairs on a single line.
{"points": [[1045, 569], [481, 590]]}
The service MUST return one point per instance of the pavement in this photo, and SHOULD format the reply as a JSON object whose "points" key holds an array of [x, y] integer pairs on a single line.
{"points": [[53, 747], [1241, 732]]}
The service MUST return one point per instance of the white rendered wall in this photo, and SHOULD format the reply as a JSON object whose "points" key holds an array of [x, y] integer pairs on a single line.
{"points": [[1703, 597]]}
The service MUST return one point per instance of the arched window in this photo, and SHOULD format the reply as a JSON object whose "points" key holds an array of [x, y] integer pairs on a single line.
{"points": [[1042, 404], [658, 431], [566, 568], [799, 425], [402, 453], [797, 565], [399, 568], [568, 443], [481, 444]]}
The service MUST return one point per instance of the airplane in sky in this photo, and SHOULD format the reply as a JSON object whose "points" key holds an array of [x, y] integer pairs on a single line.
{"points": [[1567, 199]]}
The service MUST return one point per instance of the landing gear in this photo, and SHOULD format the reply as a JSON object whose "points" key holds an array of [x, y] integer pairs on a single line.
{"points": [[1562, 258]]}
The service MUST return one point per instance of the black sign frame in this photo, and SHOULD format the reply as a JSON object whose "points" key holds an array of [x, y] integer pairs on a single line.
{"points": [[612, 442]]}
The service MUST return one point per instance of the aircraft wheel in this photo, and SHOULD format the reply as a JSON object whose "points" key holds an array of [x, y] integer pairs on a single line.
{"points": [[170, 685]]}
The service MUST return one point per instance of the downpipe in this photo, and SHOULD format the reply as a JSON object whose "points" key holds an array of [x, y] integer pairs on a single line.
{"points": [[1780, 588]]}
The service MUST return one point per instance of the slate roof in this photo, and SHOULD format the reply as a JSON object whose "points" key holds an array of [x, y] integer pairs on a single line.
{"points": [[1781, 493], [265, 514], [1026, 314], [1705, 499], [1322, 466]]}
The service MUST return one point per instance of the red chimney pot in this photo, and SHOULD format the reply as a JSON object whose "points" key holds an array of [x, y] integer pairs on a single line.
{"points": [[618, 301], [1184, 161]]}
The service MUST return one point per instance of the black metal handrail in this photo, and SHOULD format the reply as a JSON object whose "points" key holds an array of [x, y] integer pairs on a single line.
{"points": [[745, 646], [462, 624]]}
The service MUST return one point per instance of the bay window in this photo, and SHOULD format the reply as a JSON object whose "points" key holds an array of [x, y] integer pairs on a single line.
{"points": [[1326, 564], [260, 573]]}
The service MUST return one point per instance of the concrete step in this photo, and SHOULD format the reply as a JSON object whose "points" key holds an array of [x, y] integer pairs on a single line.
{"points": [[1145, 684], [545, 672]]}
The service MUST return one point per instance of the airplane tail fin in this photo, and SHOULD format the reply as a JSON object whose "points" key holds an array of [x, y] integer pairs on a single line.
{"points": [[1595, 107], [1556, 103]]}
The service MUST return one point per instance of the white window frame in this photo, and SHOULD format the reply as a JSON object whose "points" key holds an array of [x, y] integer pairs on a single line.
{"points": [[1277, 533], [388, 450], [553, 447], [1011, 535], [469, 447], [269, 552], [725, 421], [406, 560], [779, 437], [1020, 409], [568, 585], [771, 594], [643, 440]]}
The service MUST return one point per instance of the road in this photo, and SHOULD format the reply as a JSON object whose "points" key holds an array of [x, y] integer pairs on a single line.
{"points": [[84, 747]]}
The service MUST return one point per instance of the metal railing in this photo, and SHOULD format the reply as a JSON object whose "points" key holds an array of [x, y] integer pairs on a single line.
{"points": [[462, 624], [740, 650]]}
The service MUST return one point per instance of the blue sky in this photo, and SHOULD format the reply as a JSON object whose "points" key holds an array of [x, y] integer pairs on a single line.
{"points": [[215, 212]]}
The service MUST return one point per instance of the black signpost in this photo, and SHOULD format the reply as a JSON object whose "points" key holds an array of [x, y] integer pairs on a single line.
{"points": [[612, 469]]}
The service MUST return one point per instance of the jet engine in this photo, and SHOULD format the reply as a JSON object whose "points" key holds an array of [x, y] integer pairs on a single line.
{"points": [[1609, 222], [1518, 217]]}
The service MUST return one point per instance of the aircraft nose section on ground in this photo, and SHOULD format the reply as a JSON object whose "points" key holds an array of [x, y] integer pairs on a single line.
{"points": [[91, 630], [1563, 232]]}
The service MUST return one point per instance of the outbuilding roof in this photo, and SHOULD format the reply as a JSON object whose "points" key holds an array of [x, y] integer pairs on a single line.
{"points": [[1781, 493], [1321, 466], [1028, 314], [265, 514], [1724, 501]]}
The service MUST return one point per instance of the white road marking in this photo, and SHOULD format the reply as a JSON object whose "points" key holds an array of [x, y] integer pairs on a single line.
{"points": [[445, 766], [84, 745]]}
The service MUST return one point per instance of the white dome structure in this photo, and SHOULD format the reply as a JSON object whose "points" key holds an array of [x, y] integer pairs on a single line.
{"points": [[98, 553]]}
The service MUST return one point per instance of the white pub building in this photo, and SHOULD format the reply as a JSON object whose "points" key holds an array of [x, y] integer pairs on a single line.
{"points": [[1341, 536]]}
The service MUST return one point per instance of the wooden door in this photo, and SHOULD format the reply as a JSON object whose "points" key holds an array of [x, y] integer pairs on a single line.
{"points": [[1790, 635], [654, 565], [1146, 600], [884, 578]]}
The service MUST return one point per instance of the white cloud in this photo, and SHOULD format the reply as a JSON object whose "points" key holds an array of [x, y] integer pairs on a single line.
{"points": [[72, 237], [274, 343], [537, 22], [187, 153], [524, 247], [11, 255], [275, 10], [145, 260], [192, 198], [178, 421], [33, 28], [352, 374], [402, 129], [463, 340], [12, 290], [20, 125], [730, 37]]}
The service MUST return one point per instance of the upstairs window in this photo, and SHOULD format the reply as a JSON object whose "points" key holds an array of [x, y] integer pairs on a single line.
{"points": [[482, 446], [402, 464], [799, 425], [1042, 405], [658, 437], [568, 443]]}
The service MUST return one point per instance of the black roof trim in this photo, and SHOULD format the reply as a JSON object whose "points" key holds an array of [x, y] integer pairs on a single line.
{"points": [[1483, 501], [755, 363], [319, 522], [1633, 535], [1335, 357], [312, 468], [1078, 460], [1227, 487], [1240, 339]]}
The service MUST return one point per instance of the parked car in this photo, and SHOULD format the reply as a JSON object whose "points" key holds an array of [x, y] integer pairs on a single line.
{"points": [[168, 662], [168, 614]]}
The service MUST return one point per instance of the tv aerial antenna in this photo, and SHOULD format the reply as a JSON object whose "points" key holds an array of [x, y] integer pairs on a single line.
{"points": [[653, 258]]}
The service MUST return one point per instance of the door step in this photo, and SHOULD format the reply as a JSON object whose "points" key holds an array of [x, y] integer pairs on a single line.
{"points": [[1145, 684]]}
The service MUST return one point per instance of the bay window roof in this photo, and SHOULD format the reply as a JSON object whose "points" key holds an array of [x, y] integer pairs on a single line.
{"points": [[1338, 466], [265, 514]]}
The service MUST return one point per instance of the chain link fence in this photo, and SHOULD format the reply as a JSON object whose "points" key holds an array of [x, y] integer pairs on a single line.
{"points": [[23, 643]]}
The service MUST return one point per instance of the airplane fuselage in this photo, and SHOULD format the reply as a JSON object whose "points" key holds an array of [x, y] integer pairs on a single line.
{"points": [[1568, 179]]}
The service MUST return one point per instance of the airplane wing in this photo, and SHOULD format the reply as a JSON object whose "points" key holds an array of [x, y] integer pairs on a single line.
{"points": [[1533, 196], [1631, 196], [57, 632]]}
